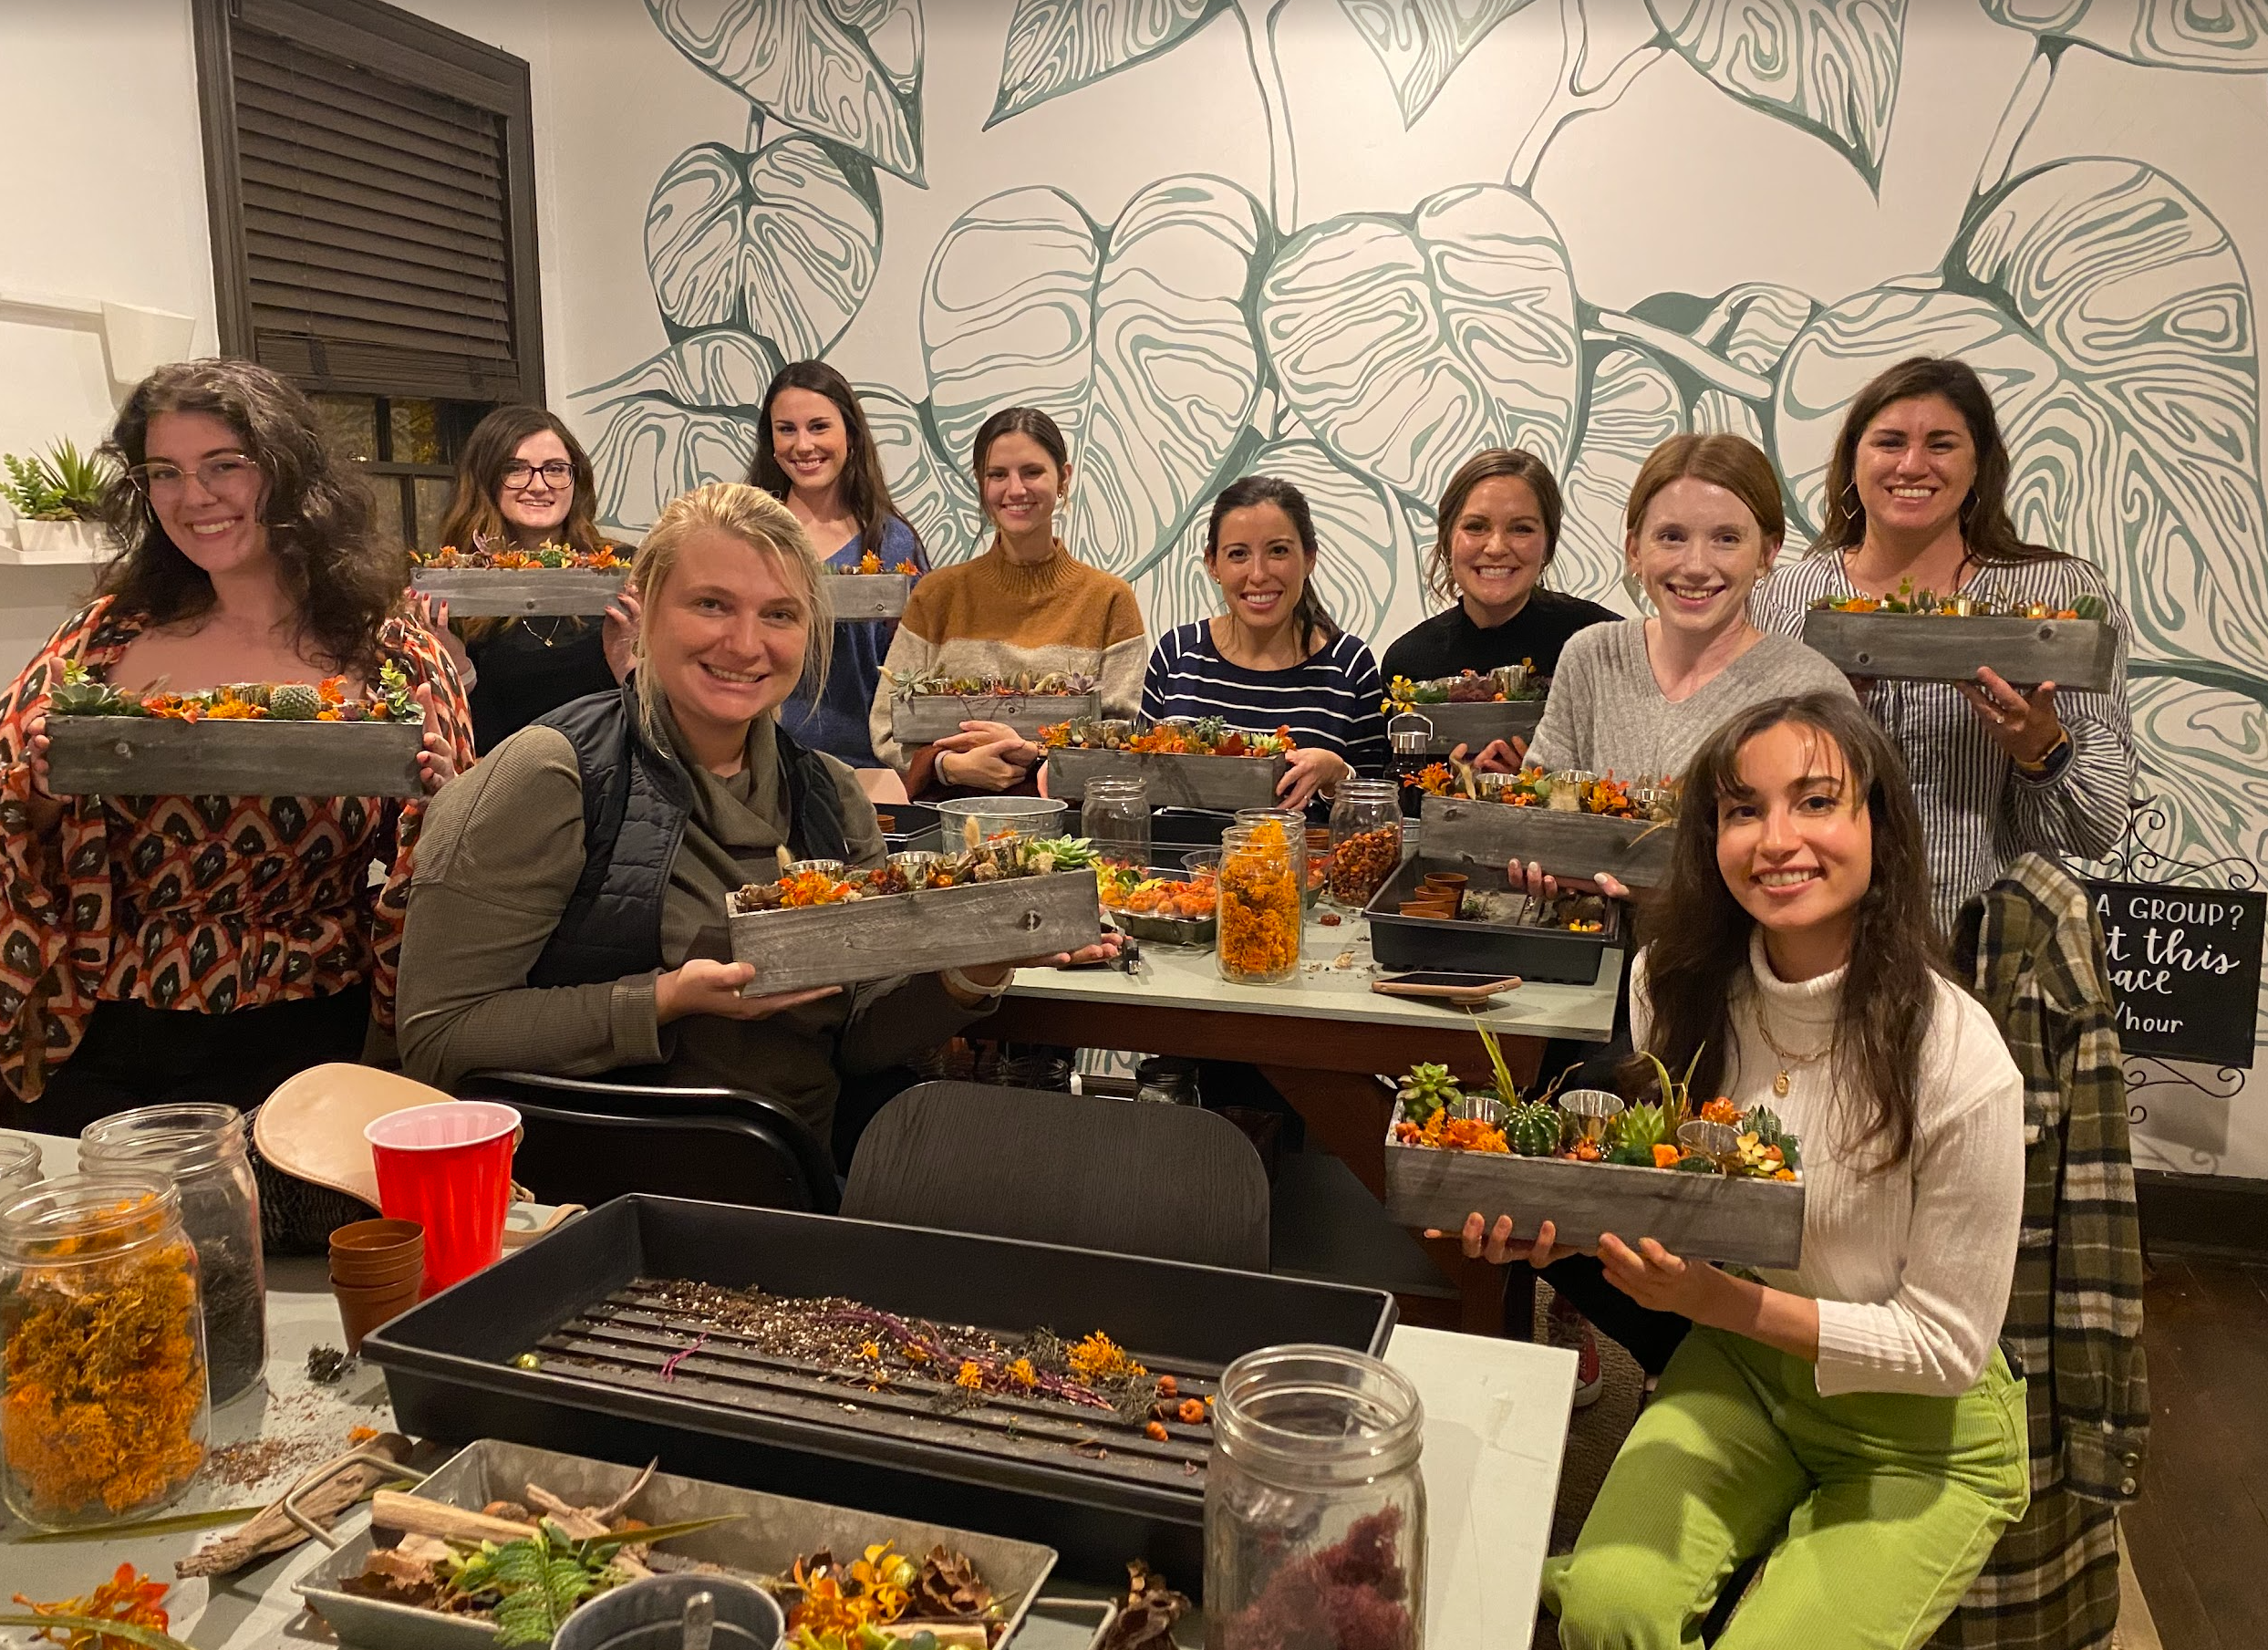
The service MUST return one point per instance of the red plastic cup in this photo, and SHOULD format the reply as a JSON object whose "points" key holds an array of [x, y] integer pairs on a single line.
{"points": [[449, 1167]]}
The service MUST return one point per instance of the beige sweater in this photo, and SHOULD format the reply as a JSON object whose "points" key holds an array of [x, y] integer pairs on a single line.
{"points": [[500, 855]]}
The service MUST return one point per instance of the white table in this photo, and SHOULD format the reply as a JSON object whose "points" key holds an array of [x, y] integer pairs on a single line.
{"points": [[1496, 1424]]}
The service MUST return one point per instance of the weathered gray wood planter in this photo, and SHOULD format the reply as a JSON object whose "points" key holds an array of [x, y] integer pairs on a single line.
{"points": [[1566, 845], [1749, 1222], [2080, 653], [1474, 725], [520, 592], [916, 933], [158, 756], [863, 596], [1225, 783], [926, 718]]}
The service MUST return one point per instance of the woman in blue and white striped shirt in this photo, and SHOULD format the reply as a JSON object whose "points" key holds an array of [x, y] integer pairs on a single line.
{"points": [[1916, 493], [1275, 659]]}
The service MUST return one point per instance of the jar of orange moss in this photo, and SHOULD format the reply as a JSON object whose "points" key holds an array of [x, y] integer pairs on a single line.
{"points": [[103, 1406], [1260, 908]]}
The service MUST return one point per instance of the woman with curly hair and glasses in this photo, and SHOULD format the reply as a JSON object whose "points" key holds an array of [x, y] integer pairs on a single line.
{"points": [[206, 947]]}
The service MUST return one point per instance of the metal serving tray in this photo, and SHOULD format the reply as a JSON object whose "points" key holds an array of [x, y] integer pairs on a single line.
{"points": [[768, 1533], [521, 592], [1165, 930], [2081, 653], [1557, 955], [1101, 1494]]}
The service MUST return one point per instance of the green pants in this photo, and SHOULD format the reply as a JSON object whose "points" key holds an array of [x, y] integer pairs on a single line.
{"points": [[1877, 1508]]}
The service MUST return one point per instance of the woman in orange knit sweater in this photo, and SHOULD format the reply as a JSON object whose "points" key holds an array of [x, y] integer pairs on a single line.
{"points": [[1025, 605]]}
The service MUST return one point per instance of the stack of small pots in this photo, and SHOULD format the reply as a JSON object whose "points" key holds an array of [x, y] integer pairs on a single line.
{"points": [[378, 1268], [1441, 896]]}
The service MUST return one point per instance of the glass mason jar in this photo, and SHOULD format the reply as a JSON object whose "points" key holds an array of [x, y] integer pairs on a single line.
{"points": [[1115, 817], [1294, 823], [199, 1150], [19, 1166], [1257, 941], [1313, 1506], [102, 1341], [1365, 840]]}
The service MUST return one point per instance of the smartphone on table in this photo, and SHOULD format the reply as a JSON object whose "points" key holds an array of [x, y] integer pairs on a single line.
{"points": [[1457, 989]]}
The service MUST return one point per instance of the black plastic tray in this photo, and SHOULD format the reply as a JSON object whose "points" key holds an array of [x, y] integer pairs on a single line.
{"points": [[450, 1374], [1546, 955]]}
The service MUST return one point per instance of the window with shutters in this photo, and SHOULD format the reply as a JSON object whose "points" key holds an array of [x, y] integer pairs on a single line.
{"points": [[370, 177]]}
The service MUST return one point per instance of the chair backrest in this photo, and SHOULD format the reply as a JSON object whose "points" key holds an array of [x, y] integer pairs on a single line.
{"points": [[1165, 1180], [588, 1140]]}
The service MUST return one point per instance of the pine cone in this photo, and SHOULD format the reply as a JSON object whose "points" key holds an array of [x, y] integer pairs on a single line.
{"points": [[949, 1585]]}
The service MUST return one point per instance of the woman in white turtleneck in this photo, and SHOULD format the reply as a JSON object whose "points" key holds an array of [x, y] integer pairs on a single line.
{"points": [[1853, 1416]]}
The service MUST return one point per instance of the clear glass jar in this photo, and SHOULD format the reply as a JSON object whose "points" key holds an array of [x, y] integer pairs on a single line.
{"points": [[1258, 939], [1365, 840], [199, 1150], [1314, 1511], [1304, 866], [102, 1342], [1115, 817], [19, 1166], [1167, 1079]]}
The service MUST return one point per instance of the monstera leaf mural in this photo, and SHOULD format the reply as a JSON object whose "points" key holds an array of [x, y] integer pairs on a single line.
{"points": [[1422, 42], [1405, 343], [1827, 65], [2229, 36], [846, 70], [934, 496], [1137, 339], [2205, 767], [1634, 405], [2113, 320], [1058, 46], [692, 414], [782, 243]]}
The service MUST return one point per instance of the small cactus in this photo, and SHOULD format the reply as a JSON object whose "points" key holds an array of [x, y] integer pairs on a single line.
{"points": [[1424, 1090], [1534, 1130], [294, 701]]}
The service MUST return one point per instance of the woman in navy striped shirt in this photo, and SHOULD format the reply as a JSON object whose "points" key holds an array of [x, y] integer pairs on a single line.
{"points": [[1275, 659]]}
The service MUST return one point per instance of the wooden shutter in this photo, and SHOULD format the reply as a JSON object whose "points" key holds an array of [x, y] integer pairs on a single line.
{"points": [[382, 241]]}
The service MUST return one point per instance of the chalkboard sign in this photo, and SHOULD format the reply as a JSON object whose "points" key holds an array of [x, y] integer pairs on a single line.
{"points": [[2184, 968]]}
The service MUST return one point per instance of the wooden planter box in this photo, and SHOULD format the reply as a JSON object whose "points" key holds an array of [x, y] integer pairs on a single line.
{"points": [[855, 596], [917, 933], [2081, 653], [1221, 783], [929, 716], [156, 756], [1472, 726], [1564, 843], [520, 592], [1695, 1217]]}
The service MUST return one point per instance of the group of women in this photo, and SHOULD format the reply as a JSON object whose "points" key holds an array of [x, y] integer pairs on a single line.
{"points": [[558, 903]]}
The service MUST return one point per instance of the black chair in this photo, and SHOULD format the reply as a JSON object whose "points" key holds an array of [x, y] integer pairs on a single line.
{"points": [[1164, 1180], [589, 1140]]}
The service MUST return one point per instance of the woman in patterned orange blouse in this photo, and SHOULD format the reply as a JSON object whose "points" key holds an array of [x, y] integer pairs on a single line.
{"points": [[206, 947]]}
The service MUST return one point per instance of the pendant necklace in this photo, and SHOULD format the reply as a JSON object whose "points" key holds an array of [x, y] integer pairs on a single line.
{"points": [[1782, 1079]]}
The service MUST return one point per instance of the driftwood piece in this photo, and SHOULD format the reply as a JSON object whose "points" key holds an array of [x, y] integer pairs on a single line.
{"points": [[1474, 726], [159, 756], [414, 1515], [1749, 1222], [1220, 783], [2081, 653], [269, 1532], [923, 719], [521, 592], [854, 596], [1566, 845], [916, 933]]}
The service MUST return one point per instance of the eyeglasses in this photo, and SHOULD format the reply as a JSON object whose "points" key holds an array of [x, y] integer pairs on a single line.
{"points": [[520, 473], [214, 475]]}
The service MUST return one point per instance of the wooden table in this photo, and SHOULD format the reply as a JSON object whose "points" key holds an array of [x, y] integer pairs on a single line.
{"points": [[1323, 1040], [1496, 1426]]}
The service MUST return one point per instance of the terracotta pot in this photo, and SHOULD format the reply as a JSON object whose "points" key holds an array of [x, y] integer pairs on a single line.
{"points": [[1454, 880], [378, 1235], [357, 1273], [360, 1310]]}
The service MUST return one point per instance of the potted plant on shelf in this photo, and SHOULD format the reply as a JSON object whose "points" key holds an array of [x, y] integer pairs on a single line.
{"points": [[57, 500]]}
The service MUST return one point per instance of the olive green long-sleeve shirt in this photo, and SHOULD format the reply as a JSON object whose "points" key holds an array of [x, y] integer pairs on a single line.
{"points": [[498, 859]]}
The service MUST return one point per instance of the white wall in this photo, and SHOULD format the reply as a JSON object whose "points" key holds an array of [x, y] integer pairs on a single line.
{"points": [[106, 178]]}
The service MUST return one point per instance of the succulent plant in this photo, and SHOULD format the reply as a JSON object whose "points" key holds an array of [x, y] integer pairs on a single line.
{"points": [[62, 486], [1636, 1133], [294, 701], [1534, 1131], [78, 694], [1764, 1123], [1424, 1090]]}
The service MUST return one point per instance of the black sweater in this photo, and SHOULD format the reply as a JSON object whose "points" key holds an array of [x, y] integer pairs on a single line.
{"points": [[1450, 642]]}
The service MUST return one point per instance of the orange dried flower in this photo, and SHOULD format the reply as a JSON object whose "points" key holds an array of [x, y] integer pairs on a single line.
{"points": [[1192, 1412], [129, 1596], [1720, 1110], [1155, 1431], [970, 1376]]}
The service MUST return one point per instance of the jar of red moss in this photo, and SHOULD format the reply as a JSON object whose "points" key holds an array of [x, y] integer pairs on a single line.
{"points": [[1314, 1511]]}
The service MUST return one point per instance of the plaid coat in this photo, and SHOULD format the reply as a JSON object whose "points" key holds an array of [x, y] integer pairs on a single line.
{"points": [[2032, 951]]}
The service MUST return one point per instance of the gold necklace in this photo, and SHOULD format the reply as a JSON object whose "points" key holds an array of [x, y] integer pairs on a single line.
{"points": [[1789, 1062]]}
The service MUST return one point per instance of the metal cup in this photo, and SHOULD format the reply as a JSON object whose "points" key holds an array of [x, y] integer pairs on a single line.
{"points": [[661, 1612], [1592, 1109]]}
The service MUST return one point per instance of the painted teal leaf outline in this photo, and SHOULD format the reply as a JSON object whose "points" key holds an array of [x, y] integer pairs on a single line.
{"points": [[1829, 67], [1137, 339], [1054, 47], [812, 64], [1632, 402], [934, 495], [783, 243], [1421, 43], [2152, 33], [691, 414]]}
